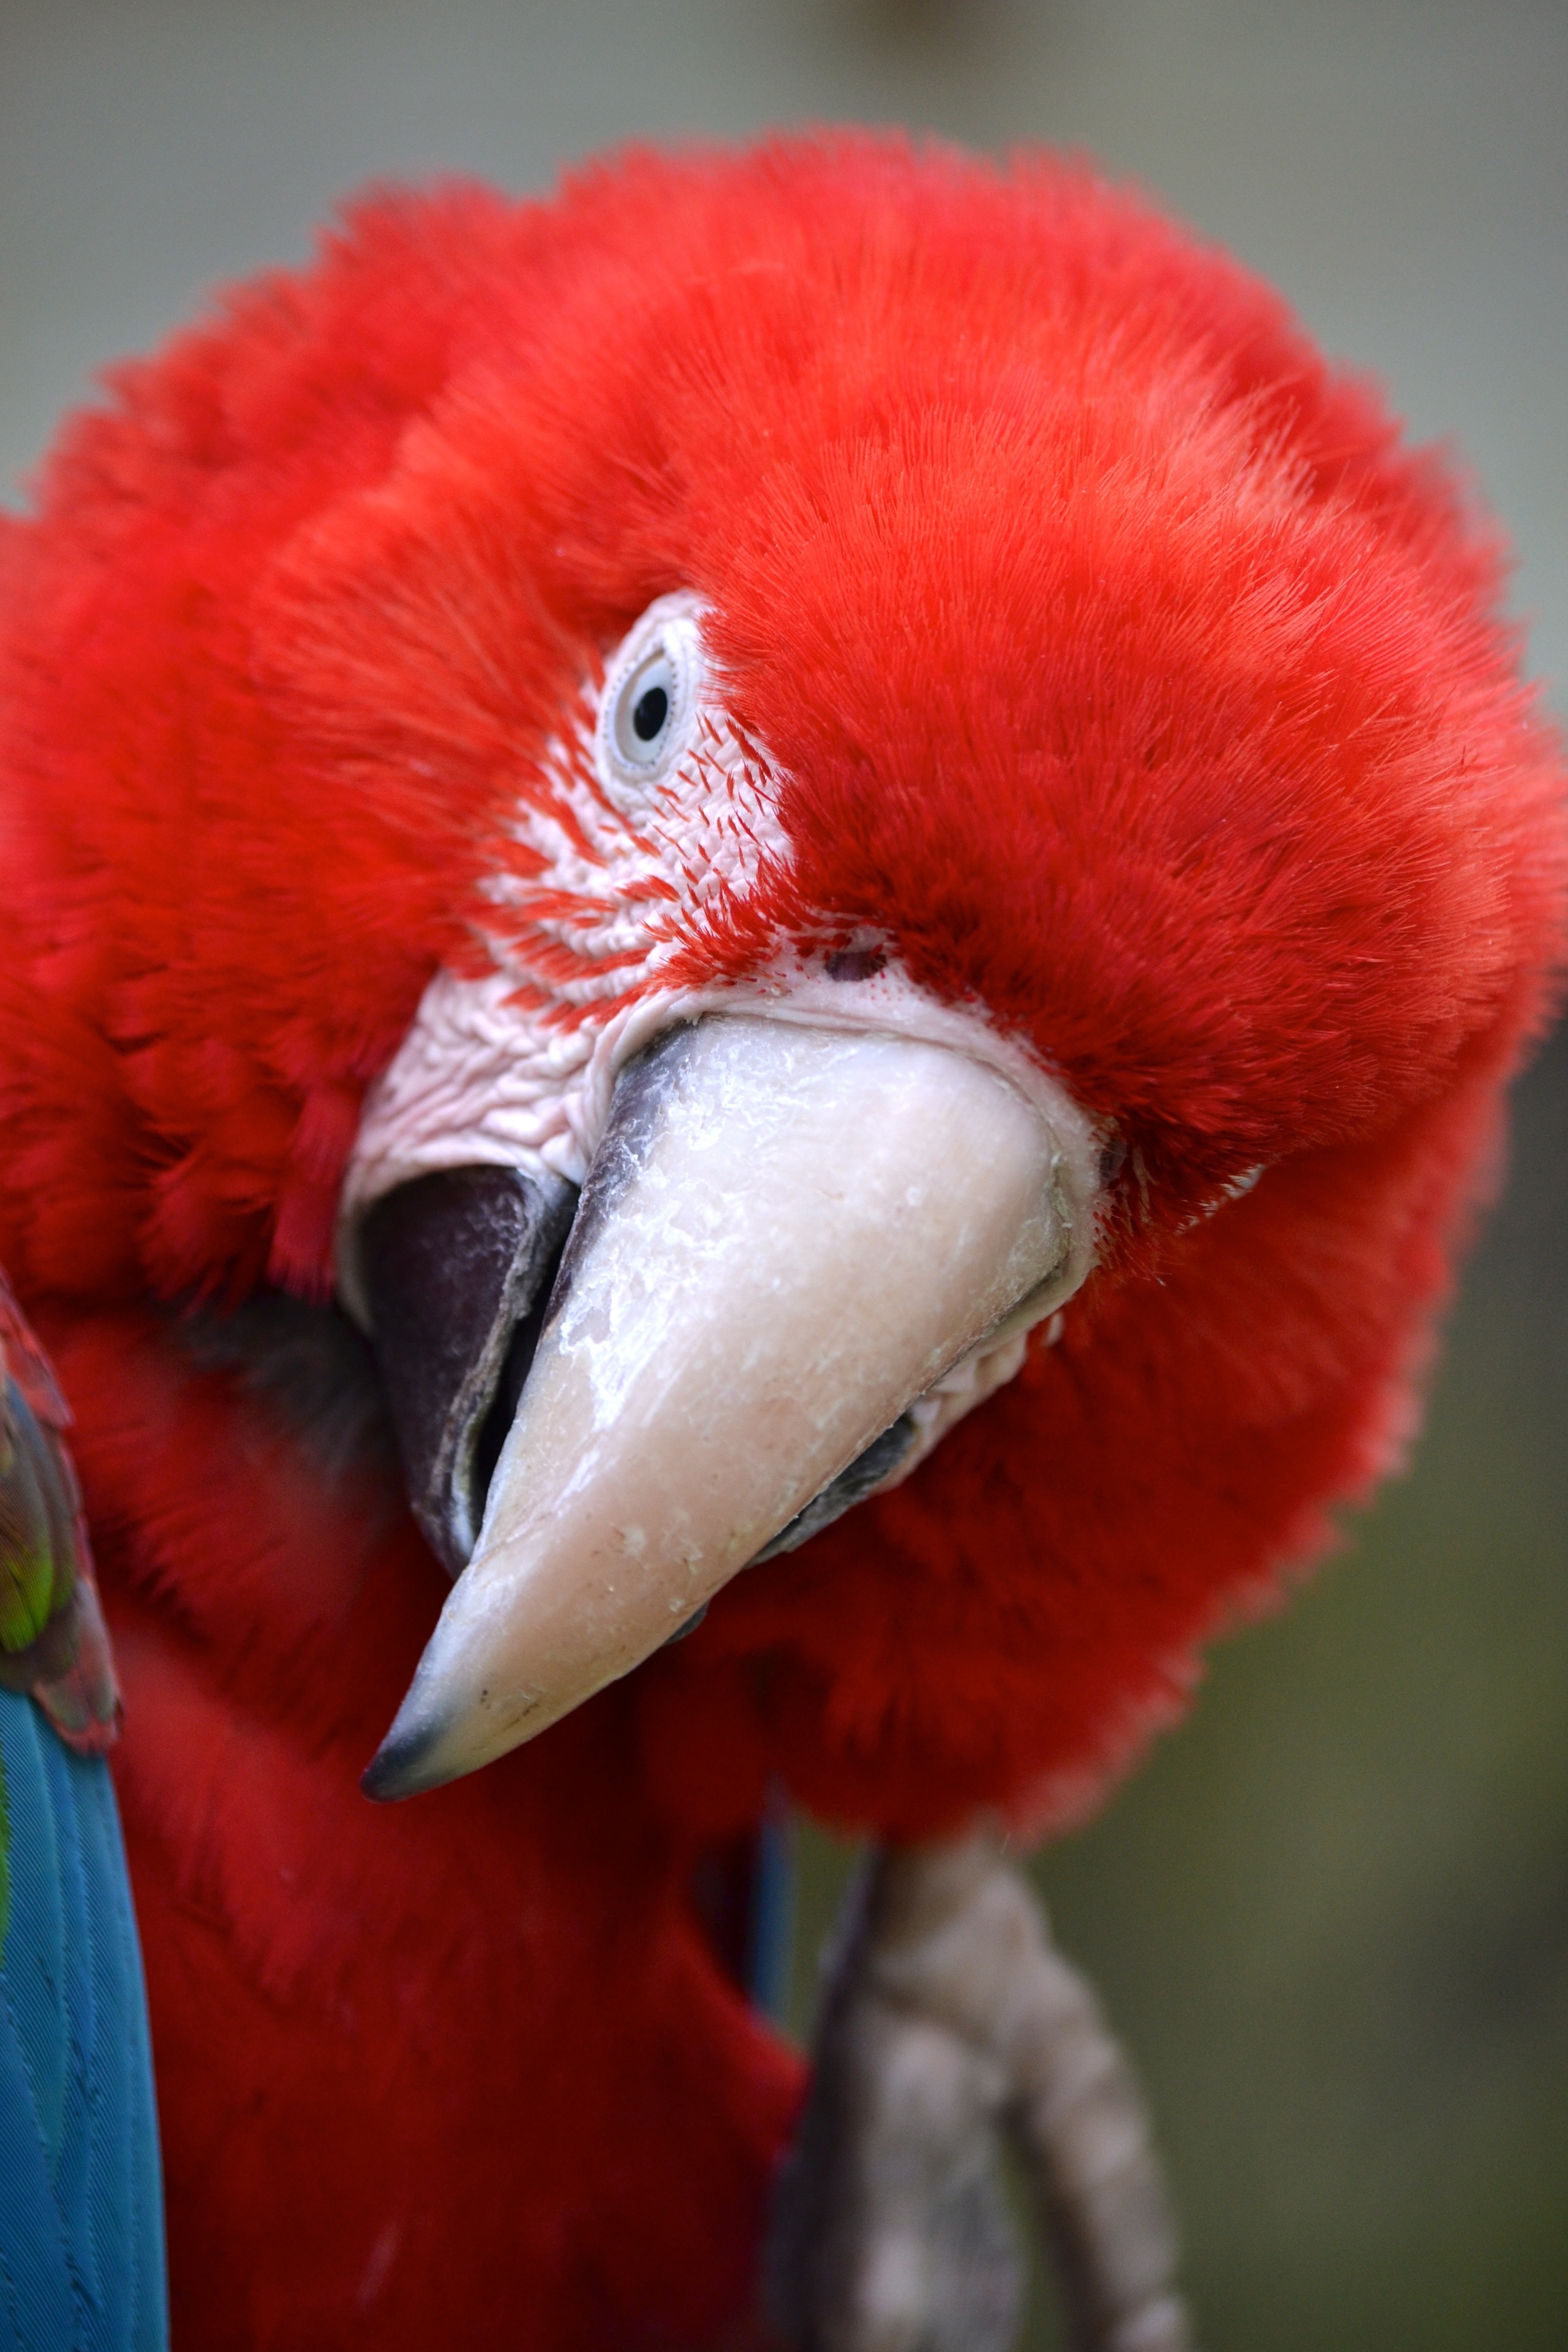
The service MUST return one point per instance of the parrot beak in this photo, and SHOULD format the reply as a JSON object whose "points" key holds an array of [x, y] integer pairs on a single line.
{"points": [[787, 1234]]}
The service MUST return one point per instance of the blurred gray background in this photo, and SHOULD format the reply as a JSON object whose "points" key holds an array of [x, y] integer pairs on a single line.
{"points": [[1332, 1916]]}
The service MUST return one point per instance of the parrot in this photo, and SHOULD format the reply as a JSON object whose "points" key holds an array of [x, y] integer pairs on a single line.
{"points": [[81, 2249], [765, 926]]}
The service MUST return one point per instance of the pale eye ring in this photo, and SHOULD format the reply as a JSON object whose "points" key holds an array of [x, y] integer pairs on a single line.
{"points": [[646, 710], [648, 716]]}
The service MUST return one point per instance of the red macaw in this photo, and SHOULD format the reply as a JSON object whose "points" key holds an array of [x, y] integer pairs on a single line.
{"points": [[887, 723]]}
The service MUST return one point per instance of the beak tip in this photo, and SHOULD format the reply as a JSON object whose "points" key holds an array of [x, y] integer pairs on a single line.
{"points": [[403, 1766]]}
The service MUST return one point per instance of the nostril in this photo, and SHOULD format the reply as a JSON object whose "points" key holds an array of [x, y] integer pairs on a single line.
{"points": [[856, 963]]}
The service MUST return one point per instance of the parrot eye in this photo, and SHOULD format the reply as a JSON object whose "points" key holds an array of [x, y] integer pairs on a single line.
{"points": [[651, 694], [644, 710]]}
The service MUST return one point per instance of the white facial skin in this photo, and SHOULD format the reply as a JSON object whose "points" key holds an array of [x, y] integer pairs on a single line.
{"points": [[844, 1202]]}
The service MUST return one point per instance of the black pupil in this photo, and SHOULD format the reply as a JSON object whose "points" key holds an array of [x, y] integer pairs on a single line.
{"points": [[649, 712]]}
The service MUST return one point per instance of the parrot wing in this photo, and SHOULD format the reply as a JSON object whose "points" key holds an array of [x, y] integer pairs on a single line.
{"points": [[81, 2240], [81, 2233]]}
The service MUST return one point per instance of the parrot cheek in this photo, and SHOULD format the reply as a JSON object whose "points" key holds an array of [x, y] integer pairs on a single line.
{"points": [[789, 1234]]}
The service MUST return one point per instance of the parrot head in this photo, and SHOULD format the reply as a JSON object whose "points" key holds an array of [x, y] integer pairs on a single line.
{"points": [[728, 802]]}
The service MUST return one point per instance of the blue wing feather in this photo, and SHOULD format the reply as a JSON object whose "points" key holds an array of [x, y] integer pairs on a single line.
{"points": [[81, 2253], [770, 1941]]}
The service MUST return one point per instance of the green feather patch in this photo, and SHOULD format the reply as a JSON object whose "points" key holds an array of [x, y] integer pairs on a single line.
{"points": [[37, 1551]]}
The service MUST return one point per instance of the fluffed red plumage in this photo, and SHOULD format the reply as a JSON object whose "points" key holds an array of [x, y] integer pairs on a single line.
{"points": [[1123, 671]]}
